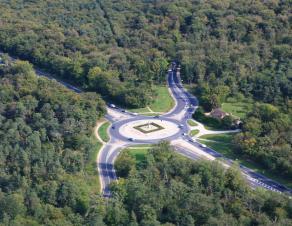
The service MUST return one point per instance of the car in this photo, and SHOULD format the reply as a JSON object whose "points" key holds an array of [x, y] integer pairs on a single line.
{"points": [[181, 125], [131, 139], [124, 111], [203, 145], [134, 113], [191, 140], [169, 70], [113, 127], [156, 116], [112, 106], [184, 134]]}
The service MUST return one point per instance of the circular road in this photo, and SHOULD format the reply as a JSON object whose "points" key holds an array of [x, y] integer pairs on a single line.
{"points": [[145, 129]]}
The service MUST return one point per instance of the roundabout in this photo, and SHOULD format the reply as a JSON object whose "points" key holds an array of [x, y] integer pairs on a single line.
{"points": [[128, 129], [143, 129], [149, 129]]}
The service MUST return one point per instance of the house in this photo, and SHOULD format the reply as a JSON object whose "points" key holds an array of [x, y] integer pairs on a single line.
{"points": [[218, 113]]}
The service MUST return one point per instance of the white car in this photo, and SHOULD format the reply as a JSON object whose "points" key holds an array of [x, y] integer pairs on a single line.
{"points": [[112, 106], [169, 70], [134, 113], [203, 145]]}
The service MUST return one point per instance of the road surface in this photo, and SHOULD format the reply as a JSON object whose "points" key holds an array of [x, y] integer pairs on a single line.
{"points": [[185, 106]]}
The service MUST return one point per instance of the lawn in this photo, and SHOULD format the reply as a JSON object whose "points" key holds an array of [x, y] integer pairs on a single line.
{"points": [[238, 109], [138, 152], [229, 151], [194, 132], [162, 103], [102, 132], [225, 138], [192, 122]]}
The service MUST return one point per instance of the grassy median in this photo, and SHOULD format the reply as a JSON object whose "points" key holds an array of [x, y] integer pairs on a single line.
{"points": [[192, 122], [102, 132], [194, 132]]}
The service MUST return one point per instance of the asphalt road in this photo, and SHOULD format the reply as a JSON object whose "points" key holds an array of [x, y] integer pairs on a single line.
{"points": [[185, 106]]}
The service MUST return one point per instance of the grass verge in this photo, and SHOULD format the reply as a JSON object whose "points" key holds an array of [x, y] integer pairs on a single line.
{"points": [[90, 169], [225, 138], [194, 132], [225, 147], [102, 132], [192, 122]]}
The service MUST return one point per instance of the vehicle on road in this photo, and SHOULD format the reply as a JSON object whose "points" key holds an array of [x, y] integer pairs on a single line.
{"points": [[131, 139], [184, 134], [112, 106], [113, 127], [156, 116], [181, 125], [134, 113], [203, 145]]}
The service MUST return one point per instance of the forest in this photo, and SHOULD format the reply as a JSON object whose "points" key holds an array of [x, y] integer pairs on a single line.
{"points": [[266, 138], [167, 189], [117, 51], [228, 48], [46, 148]]}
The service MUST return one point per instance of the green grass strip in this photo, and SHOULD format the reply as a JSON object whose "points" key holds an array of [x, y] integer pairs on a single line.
{"points": [[102, 132]]}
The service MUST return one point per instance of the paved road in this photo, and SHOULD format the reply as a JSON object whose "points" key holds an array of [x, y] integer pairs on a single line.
{"points": [[186, 104]]}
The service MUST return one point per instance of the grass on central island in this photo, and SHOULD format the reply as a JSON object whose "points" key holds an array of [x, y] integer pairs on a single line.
{"points": [[142, 129]]}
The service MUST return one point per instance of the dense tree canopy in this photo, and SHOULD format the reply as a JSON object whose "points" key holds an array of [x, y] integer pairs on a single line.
{"points": [[266, 138], [45, 147], [167, 189], [119, 49], [244, 45]]}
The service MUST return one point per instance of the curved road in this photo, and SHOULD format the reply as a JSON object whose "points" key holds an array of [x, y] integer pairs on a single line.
{"points": [[185, 106]]}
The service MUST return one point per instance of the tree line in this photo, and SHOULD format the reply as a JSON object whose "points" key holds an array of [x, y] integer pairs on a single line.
{"points": [[266, 139], [45, 150], [167, 189], [239, 47]]}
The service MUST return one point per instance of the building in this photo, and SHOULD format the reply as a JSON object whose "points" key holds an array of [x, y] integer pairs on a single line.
{"points": [[218, 113]]}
